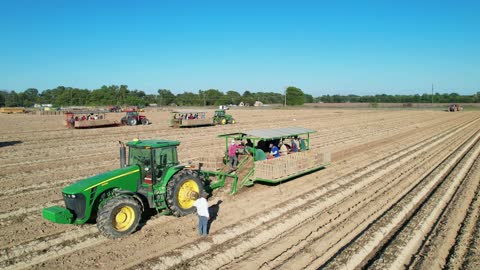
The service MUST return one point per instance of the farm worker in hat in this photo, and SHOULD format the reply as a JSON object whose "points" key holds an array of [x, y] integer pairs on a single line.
{"points": [[232, 155], [283, 148], [202, 211]]}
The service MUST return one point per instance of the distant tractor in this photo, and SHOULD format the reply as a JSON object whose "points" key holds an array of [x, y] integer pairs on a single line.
{"points": [[220, 117], [200, 118], [133, 118], [454, 108], [152, 178]]}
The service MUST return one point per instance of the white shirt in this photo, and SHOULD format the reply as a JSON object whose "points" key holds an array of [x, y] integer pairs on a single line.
{"points": [[202, 207]]}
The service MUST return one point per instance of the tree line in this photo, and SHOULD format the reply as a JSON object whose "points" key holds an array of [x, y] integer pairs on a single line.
{"points": [[115, 95], [383, 98], [118, 95]]}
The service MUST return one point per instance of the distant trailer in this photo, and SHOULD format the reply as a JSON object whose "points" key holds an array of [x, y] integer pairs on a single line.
{"points": [[190, 119], [10, 110], [199, 118], [88, 119]]}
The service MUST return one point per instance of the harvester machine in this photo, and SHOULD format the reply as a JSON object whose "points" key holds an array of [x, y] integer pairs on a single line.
{"points": [[150, 177]]}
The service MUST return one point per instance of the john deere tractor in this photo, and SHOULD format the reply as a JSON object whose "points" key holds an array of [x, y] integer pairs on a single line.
{"points": [[220, 117], [152, 178]]}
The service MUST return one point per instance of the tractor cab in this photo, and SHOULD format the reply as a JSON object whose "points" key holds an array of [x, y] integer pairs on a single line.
{"points": [[132, 114], [219, 113], [153, 157]]}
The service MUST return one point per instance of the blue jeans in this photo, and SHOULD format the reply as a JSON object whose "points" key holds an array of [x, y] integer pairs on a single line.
{"points": [[202, 225]]}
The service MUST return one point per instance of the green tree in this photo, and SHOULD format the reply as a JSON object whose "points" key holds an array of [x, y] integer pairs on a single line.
{"points": [[3, 95], [295, 96], [12, 100], [189, 99], [30, 97], [248, 98], [214, 97], [165, 97], [233, 97], [308, 98]]}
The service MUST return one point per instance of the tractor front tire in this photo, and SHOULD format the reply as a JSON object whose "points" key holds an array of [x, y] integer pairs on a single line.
{"points": [[232, 122], [119, 217], [179, 191], [132, 122], [145, 121]]}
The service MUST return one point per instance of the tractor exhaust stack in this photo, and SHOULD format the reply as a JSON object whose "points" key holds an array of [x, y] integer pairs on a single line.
{"points": [[123, 155]]}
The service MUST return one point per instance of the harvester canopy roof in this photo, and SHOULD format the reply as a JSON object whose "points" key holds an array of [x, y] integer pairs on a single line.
{"points": [[199, 111], [270, 133], [86, 112]]}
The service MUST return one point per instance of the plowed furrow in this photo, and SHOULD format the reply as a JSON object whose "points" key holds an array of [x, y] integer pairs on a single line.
{"points": [[366, 245], [441, 240]]}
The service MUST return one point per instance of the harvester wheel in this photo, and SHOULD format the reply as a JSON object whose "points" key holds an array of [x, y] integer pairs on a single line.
{"points": [[145, 121], [132, 122], [179, 191], [119, 216]]}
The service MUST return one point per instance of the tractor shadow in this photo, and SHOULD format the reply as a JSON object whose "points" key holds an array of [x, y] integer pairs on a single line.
{"points": [[213, 211], [10, 143]]}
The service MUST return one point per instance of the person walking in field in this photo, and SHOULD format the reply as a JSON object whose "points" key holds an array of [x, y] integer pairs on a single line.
{"points": [[201, 204]]}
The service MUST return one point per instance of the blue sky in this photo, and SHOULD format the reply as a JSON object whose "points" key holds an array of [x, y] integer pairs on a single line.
{"points": [[322, 47]]}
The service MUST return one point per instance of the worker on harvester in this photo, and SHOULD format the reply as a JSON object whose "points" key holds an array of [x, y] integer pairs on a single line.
{"points": [[232, 155]]}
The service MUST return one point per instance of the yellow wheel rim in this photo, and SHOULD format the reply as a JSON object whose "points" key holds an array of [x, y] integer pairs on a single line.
{"points": [[233, 121], [124, 218], [185, 200], [224, 121]]}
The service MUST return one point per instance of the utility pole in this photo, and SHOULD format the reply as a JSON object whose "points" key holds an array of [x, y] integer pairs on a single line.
{"points": [[432, 93], [285, 104]]}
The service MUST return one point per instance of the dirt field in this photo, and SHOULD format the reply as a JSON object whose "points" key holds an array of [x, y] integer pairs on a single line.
{"points": [[402, 191]]}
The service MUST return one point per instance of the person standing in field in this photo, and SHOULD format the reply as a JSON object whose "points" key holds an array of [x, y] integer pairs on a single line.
{"points": [[201, 204]]}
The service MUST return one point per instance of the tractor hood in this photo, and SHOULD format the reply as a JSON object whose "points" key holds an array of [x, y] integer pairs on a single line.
{"points": [[103, 179]]}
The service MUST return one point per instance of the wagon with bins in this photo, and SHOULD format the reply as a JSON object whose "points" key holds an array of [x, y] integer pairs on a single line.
{"points": [[200, 118], [88, 119], [253, 167]]}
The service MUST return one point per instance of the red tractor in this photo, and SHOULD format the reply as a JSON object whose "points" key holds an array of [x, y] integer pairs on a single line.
{"points": [[133, 118]]}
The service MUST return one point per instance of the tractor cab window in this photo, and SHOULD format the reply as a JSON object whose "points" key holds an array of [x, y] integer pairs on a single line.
{"points": [[140, 157], [164, 159], [132, 113], [219, 113]]}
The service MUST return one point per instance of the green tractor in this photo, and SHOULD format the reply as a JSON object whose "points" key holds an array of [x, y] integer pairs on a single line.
{"points": [[151, 179], [220, 117]]}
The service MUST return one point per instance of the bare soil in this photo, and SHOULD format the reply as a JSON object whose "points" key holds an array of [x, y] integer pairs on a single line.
{"points": [[402, 192]]}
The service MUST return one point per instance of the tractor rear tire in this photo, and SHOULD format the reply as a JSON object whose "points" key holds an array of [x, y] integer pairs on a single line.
{"points": [[223, 121], [119, 217], [145, 121], [132, 122], [179, 190]]}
